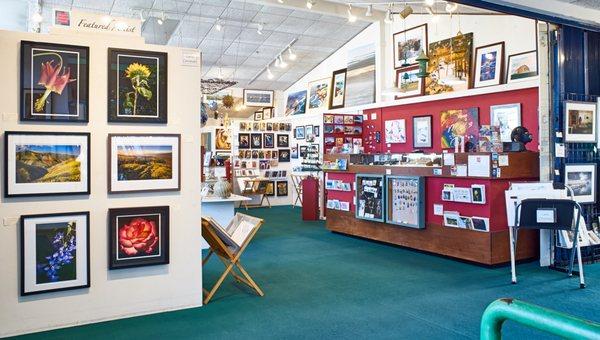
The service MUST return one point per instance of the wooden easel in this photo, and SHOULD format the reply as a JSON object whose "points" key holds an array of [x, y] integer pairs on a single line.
{"points": [[253, 187], [229, 257], [297, 183]]}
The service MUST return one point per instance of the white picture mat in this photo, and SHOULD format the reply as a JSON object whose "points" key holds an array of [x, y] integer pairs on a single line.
{"points": [[395, 131], [155, 184], [76, 75], [570, 137], [422, 127], [55, 187], [510, 117], [81, 253], [156, 95], [250, 92], [160, 240], [479, 165], [338, 100], [571, 168], [419, 32], [529, 59], [497, 72], [325, 102], [412, 75]]}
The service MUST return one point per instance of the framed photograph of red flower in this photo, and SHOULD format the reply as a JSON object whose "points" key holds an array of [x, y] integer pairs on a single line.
{"points": [[54, 82], [138, 237]]}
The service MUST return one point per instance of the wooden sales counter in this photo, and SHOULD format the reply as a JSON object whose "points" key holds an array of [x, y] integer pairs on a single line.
{"points": [[488, 248]]}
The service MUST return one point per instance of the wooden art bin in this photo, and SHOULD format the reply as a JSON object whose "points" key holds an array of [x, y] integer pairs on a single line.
{"points": [[228, 252]]}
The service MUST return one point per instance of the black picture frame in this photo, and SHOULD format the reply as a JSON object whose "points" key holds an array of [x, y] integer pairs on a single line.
{"points": [[297, 133], [270, 184], [158, 256], [24, 247], [316, 130], [284, 155], [7, 186], [268, 140], [158, 84], [279, 188], [283, 140], [256, 141], [332, 87], [78, 86], [112, 190], [414, 136], [244, 141]]}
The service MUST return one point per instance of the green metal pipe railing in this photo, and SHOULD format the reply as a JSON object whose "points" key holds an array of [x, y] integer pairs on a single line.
{"points": [[537, 317]]}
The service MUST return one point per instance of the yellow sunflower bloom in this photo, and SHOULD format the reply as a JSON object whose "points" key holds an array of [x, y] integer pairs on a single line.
{"points": [[137, 70]]}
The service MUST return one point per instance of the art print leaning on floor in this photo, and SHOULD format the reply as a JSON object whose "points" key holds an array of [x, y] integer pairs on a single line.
{"points": [[46, 163], [144, 162]]}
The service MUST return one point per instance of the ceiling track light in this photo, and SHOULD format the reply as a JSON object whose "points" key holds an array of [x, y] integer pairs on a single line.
{"points": [[369, 12], [291, 55], [351, 17], [218, 25], [388, 16], [259, 29], [310, 3], [37, 17], [280, 1], [451, 7], [430, 10], [406, 12], [269, 73], [429, 3], [282, 63], [162, 19], [142, 19]]}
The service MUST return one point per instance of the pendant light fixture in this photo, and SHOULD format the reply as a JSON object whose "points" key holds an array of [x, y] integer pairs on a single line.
{"points": [[369, 12], [351, 17]]}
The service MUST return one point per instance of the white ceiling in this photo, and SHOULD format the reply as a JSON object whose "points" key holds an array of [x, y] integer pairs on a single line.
{"points": [[237, 50]]}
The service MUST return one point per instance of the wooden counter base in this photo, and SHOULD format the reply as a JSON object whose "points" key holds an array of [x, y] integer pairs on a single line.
{"points": [[488, 248]]}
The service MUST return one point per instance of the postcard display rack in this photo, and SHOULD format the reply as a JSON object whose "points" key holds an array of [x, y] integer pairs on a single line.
{"points": [[416, 214], [342, 131]]}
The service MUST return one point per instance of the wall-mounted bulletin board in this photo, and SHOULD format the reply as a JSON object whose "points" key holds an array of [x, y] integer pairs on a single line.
{"points": [[405, 201], [370, 197]]}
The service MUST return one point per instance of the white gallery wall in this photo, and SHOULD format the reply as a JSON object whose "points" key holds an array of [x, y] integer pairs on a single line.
{"points": [[116, 293], [519, 35]]}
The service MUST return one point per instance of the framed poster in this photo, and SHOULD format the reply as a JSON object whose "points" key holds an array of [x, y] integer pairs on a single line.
{"points": [[54, 82], [338, 89], [283, 141], [449, 64], [296, 103], [582, 179], [408, 44], [463, 123], [522, 66], [580, 122], [244, 141], [138, 237], [282, 188], [55, 252], [46, 163], [256, 141], [144, 162], [318, 95], [258, 98], [299, 132], [422, 132], [222, 139], [137, 86], [395, 131], [489, 65], [506, 117], [284, 155], [370, 197], [269, 140], [405, 201], [408, 83]]}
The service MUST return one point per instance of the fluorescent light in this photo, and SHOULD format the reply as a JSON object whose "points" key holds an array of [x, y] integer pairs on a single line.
{"points": [[37, 17], [429, 2], [291, 55], [310, 3], [351, 17], [369, 12]]}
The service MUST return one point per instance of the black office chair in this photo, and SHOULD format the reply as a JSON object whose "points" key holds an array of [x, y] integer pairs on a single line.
{"points": [[552, 214]]}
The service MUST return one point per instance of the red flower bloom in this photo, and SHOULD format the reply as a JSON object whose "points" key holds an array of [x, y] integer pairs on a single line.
{"points": [[138, 237], [51, 78]]}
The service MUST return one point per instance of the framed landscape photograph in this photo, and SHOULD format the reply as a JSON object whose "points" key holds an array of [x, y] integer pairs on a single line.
{"points": [[449, 64], [408, 45], [296, 103], [580, 122], [338, 89], [408, 83], [46, 163], [522, 66], [318, 95], [137, 86], [258, 98], [54, 82], [489, 65], [422, 132], [144, 162], [506, 117], [582, 179], [138, 237], [55, 252], [283, 141]]}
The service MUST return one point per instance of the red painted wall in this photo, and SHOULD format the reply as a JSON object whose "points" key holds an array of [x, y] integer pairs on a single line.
{"points": [[529, 117], [346, 196]]}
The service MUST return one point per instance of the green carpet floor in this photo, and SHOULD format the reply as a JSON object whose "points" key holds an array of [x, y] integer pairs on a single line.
{"points": [[324, 285]]}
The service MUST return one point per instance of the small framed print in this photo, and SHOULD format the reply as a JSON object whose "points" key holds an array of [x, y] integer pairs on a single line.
{"points": [[308, 130], [478, 193], [452, 219], [244, 141], [408, 83], [54, 82], [327, 119], [144, 162], [268, 140], [256, 141], [545, 215], [46, 163], [338, 89], [422, 132], [506, 117], [258, 98], [408, 44], [267, 113], [284, 155], [283, 141], [582, 179], [489, 65], [522, 66], [317, 130], [269, 188], [138, 237], [447, 194], [580, 122], [282, 188], [258, 115], [462, 195], [55, 252], [480, 223], [137, 86], [299, 132]]}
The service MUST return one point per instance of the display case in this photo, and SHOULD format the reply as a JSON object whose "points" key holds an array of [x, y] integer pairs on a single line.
{"points": [[405, 196], [370, 197]]}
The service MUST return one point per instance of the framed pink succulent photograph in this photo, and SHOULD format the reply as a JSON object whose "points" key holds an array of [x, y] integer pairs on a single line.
{"points": [[138, 237]]}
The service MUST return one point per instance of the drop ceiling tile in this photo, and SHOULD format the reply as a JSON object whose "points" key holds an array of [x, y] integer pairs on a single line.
{"points": [[334, 19], [226, 33], [241, 49], [249, 35], [253, 61], [294, 25], [206, 10], [321, 29], [210, 57], [245, 5], [269, 21], [214, 46], [305, 14], [278, 10], [129, 5], [280, 39], [238, 15], [223, 3], [93, 4]]}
